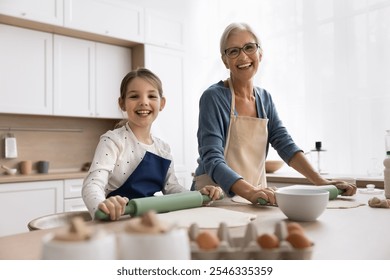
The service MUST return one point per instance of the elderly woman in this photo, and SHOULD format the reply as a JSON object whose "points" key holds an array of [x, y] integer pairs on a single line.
{"points": [[238, 121]]}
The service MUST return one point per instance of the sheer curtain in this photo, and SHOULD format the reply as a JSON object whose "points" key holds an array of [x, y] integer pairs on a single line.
{"points": [[326, 64]]}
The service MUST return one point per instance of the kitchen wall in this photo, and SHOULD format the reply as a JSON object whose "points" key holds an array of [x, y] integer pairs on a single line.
{"points": [[67, 143], [325, 63]]}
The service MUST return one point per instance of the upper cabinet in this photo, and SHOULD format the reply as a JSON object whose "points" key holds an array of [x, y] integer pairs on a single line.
{"points": [[26, 57], [112, 64], [46, 74], [45, 11], [163, 31], [87, 77], [74, 76], [113, 18]]}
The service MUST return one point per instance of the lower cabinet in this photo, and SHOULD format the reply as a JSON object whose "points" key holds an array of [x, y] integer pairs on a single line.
{"points": [[72, 195], [22, 202]]}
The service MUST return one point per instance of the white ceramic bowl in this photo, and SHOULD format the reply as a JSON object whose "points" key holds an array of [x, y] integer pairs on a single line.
{"points": [[272, 166], [302, 205], [11, 171]]}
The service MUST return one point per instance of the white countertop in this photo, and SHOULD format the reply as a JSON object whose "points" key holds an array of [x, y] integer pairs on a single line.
{"points": [[296, 178]]}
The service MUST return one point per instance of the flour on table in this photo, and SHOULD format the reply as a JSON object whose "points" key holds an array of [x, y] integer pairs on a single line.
{"points": [[207, 217]]}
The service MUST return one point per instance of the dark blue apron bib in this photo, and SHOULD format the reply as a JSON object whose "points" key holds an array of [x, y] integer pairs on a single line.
{"points": [[147, 179]]}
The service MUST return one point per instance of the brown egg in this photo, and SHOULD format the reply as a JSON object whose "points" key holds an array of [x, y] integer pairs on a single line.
{"points": [[294, 227], [207, 240], [298, 240], [268, 241]]}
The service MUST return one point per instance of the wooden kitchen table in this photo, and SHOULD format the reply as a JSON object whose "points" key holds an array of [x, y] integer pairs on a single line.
{"points": [[339, 234]]}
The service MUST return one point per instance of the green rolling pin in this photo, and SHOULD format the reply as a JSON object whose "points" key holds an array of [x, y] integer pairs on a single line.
{"points": [[161, 204], [333, 192]]}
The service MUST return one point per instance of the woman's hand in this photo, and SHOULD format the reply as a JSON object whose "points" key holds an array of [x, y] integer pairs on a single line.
{"points": [[268, 194], [212, 191], [114, 206], [253, 194], [348, 188]]}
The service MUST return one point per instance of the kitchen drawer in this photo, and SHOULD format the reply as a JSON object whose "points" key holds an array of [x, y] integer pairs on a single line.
{"points": [[72, 188], [74, 204]]}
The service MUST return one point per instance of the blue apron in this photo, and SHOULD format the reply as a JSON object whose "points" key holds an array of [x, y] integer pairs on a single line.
{"points": [[147, 179]]}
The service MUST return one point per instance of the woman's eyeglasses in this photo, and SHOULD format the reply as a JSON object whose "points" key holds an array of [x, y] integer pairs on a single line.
{"points": [[249, 48]]}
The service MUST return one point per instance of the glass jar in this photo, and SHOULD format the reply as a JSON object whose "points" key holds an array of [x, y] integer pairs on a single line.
{"points": [[318, 158]]}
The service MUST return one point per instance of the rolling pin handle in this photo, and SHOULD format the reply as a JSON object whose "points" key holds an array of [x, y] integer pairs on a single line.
{"points": [[262, 201]]}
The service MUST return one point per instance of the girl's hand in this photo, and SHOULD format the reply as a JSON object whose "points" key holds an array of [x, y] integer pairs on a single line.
{"points": [[114, 206], [212, 191]]}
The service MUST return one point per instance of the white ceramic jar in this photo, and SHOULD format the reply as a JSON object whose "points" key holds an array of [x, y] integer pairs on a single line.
{"points": [[100, 247], [171, 245]]}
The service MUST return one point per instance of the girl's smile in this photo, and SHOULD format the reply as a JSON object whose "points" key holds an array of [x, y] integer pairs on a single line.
{"points": [[142, 104]]}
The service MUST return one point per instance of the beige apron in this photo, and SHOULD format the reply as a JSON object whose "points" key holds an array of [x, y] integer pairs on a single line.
{"points": [[245, 148]]}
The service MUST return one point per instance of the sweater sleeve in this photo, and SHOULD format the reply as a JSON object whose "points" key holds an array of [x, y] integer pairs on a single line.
{"points": [[93, 191]]}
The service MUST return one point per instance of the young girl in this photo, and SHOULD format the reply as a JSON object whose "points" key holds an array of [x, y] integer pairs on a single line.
{"points": [[129, 161]]}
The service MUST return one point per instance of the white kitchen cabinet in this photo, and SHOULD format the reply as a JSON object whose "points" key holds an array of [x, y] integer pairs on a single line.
{"points": [[22, 202], [163, 30], [45, 11], [74, 76], [113, 18], [25, 71], [112, 64], [72, 195], [87, 77]]}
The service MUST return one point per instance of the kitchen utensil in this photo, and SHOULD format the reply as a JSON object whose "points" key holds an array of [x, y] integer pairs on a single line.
{"points": [[9, 171], [161, 204], [11, 150]]}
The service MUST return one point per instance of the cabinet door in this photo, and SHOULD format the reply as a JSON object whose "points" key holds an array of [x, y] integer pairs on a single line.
{"points": [[25, 71], [46, 11], [74, 204], [163, 30], [22, 202], [72, 188], [114, 18], [112, 64], [74, 76]]}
